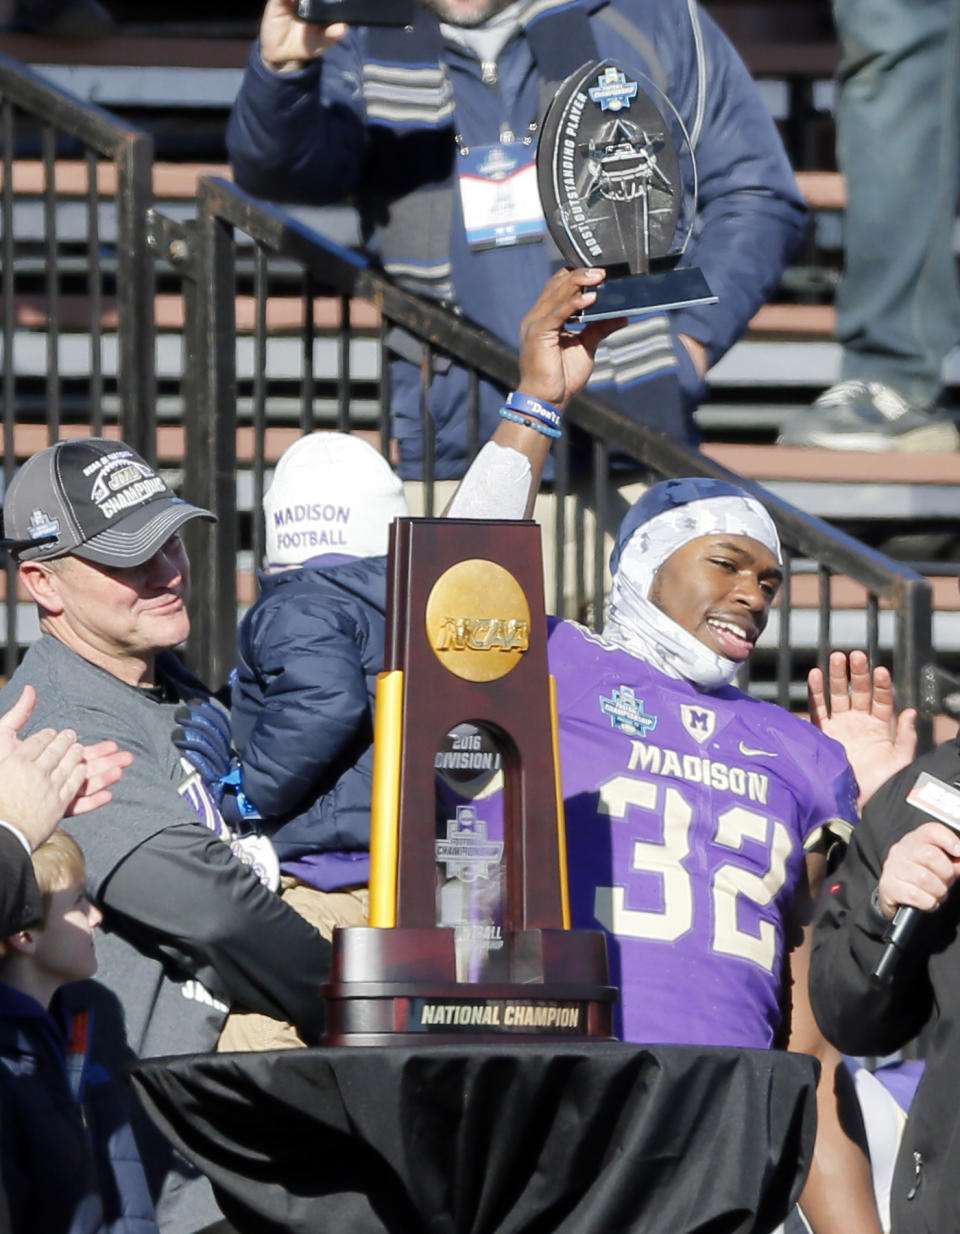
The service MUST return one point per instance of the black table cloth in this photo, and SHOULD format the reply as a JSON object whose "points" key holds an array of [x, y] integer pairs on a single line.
{"points": [[501, 1139]]}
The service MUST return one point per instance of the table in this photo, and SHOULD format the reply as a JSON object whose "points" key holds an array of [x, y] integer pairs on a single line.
{"points": [[500, 1139]]}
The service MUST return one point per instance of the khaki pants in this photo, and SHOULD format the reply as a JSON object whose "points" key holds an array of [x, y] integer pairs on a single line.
{"points": [[323, 909], [579, 536]]}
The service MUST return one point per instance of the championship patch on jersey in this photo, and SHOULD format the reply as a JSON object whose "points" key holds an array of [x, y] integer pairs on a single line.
{"points": [[700, 722], [626, 712]]}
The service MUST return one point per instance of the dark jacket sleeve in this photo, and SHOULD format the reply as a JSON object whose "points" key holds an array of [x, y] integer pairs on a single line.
{"points": [[300, 137], [20, 901], [858, 1016], [311, 702], [183, 897]]}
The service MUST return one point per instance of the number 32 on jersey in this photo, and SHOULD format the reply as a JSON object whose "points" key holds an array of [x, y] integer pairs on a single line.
{"points": [[728, 882]]}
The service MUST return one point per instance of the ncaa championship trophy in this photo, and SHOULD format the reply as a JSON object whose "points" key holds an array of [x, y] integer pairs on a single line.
{"points": [[469, 919], [495, 1099], [618, 185]]}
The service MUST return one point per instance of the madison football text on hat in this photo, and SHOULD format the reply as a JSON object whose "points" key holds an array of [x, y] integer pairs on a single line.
{"points": [[91, 498], [331, 493]]}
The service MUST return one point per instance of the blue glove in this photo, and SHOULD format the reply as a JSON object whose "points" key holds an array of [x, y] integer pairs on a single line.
{"points": [[203, 735]]}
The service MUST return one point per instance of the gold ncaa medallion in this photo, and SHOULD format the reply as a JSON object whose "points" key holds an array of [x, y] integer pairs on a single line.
{"points": [[478, 620]]}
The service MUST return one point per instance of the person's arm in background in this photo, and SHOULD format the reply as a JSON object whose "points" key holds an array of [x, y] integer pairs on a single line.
{"points": [[838, 1196], [296, 132], [183, 897], [555, 364]]}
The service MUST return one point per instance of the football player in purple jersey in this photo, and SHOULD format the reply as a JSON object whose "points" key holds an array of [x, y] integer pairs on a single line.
{"points": [[698, 818]]}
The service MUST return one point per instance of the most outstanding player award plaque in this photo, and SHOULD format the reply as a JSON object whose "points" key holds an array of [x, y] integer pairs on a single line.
{"points": [[469, 918], [618, 185]]}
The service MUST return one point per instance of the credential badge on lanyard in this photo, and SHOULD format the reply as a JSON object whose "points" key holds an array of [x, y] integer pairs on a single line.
{"points": [[498, 195]]}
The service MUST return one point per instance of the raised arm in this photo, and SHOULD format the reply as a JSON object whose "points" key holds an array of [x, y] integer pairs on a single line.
{"points": [[297, 129], [555, 364]]}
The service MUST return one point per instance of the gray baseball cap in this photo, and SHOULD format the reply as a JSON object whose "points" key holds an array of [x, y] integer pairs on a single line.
{"points": [[91, 498]]}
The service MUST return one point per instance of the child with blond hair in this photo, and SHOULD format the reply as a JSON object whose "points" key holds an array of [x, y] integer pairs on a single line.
{"points": [[69, 1161]]}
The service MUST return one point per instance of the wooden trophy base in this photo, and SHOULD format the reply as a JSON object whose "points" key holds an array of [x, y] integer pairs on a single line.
{"points": [[399, 986]]}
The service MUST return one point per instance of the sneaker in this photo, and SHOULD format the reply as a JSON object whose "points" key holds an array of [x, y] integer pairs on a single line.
{"points": [[867, 415]]}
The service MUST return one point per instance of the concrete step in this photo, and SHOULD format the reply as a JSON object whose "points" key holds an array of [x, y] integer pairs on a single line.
{"points": [[841, 485], [284, 314], [283, 356], [123, 51]]}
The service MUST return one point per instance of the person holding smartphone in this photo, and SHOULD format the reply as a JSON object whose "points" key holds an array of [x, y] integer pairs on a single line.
{"points": [[432, 122]]}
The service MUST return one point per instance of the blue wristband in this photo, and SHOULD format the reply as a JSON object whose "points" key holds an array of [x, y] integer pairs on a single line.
{"points": [[536, 407], [538, 425]]}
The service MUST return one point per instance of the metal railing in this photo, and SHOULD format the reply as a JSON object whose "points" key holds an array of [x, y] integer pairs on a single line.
{"points": [[262, 385], [267, 235], [37, 114], [38, 124]]}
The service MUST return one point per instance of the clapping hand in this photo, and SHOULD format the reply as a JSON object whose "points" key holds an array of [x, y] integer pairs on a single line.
{"points": [[49, 774]]}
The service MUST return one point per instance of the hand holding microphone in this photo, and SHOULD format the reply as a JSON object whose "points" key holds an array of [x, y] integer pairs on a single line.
{"points": [[920, 868]]}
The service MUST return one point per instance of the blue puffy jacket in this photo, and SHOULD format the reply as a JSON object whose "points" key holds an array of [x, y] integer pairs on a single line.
{"points": [[70, 1163], [308, 655], [306, 137]]}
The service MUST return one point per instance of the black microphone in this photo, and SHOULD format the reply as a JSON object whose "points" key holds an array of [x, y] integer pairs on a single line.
{"points": [[942, 802]]}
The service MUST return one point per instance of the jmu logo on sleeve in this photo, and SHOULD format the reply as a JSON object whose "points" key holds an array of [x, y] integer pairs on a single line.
{"points": [[700, 722], [254, 850], [197, 795]]}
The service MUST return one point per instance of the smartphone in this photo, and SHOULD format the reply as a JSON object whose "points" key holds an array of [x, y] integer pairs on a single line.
{"points": [[356, 12]]}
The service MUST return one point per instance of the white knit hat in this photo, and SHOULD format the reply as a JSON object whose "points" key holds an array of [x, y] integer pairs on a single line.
{"points": [[331, 493]]}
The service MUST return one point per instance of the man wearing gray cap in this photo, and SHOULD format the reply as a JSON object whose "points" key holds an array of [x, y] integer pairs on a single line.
{"points": [[189, 928]]}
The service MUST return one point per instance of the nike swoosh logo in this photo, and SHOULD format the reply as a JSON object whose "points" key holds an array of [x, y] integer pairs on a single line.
{"points": [[750, 752]]}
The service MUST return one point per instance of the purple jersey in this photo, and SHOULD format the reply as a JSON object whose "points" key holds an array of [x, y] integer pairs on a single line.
{"points": [[687, 816]]}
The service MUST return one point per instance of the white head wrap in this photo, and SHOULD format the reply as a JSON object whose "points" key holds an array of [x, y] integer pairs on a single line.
{"points": [[675, 516]]}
